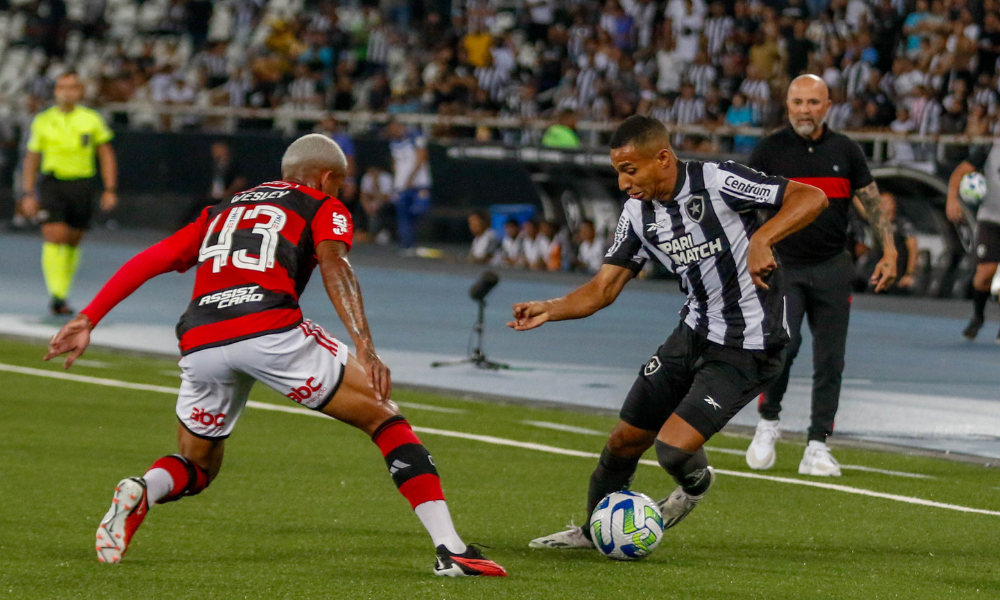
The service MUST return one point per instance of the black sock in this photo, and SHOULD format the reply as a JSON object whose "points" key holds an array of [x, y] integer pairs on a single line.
{"points": [[979, 300], [689, 469], [613, 474]]}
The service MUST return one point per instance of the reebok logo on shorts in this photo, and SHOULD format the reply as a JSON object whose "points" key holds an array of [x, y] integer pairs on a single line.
{"points": [[711, 402]]}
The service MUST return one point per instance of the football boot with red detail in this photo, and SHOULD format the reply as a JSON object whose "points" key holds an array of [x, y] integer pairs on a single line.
{"points": [[470, 563], [128, 509]]}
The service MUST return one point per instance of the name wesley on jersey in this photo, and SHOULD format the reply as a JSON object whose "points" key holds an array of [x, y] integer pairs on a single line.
{"points": [[683, 251]]}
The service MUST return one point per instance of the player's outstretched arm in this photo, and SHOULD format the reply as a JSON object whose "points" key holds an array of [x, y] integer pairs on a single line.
{"points": [[345, 293], [800, 205], [952, 208], [168, 255], [582, 302]]}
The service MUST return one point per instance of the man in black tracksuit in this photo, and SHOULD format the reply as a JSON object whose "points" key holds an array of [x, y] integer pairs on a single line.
{"points": [[818, 269]]}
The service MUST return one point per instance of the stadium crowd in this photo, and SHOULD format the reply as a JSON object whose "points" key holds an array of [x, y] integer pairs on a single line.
{"points": [[893, 65]]}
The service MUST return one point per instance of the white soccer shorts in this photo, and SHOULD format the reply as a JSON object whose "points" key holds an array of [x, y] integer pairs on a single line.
{"points": [[305, 364]]}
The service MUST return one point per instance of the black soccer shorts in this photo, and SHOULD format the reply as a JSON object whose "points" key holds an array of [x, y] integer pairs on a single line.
{"points": [[702, 382], [987, 242], [70, 201]]}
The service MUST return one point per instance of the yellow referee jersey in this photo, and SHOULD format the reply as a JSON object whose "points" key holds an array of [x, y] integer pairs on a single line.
{"points": [[68, 141]]}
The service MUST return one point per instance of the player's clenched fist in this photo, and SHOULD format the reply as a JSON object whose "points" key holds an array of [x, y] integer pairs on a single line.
{"points": [[528, 315], [760, 262]]}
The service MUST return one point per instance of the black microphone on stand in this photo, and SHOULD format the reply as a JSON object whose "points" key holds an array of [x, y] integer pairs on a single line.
{"points": [[478, 292], [483, 286]]}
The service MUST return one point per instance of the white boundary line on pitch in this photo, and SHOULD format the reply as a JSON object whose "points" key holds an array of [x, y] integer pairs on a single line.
{"points": [[594, 432], [504, 441]]}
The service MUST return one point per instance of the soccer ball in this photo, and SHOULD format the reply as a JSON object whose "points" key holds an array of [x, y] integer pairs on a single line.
{"points": [[972, 188], [626, 526]]}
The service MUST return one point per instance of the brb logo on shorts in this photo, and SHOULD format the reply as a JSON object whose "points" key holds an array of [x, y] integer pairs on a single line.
{"points": [[207, 419], [310, 389]]}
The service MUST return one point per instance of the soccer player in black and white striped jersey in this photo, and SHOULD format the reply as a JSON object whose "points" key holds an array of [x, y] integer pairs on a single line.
{"points": [[701, 221]]}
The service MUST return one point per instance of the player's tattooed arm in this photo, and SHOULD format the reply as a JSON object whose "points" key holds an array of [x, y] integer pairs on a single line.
{"points": [[344, 291], [870, 202]]}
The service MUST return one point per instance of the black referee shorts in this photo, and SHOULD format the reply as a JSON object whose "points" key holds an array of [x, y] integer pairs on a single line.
{"points": [[68, 201], [702, 382]]}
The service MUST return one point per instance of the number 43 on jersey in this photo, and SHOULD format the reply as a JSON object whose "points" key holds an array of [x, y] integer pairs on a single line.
{"points": [[268, 230]]}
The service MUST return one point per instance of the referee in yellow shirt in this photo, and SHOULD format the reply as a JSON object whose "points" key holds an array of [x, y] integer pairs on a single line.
{"points": [[64, 140]]}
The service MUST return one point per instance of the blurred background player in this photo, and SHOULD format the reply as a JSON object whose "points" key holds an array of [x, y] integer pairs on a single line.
{"points": [[244, 325], [819, 272], [376, 205], [412, 180], [64, 141], [985, 159]]}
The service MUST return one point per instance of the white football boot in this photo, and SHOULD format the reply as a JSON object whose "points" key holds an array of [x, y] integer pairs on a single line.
{"points": [[128, 509], [564, 540], [761, 453], [818, 461], [679, 503]]}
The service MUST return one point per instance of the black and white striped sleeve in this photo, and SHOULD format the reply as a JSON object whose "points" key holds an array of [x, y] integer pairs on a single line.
{"points": [[743, 188], [626, 249]]}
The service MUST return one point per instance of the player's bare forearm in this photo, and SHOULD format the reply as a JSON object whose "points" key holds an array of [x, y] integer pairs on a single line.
{"points": [[345, 293], [582, 302], [868, 197], [29, 172], [952, 207], [109, 166], [800, 206]]}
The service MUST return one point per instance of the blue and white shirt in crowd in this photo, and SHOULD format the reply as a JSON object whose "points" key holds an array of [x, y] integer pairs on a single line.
{"points": [[703, 236], [404, 159]]}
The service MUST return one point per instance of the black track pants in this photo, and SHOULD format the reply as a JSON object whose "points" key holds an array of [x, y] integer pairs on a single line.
{"points": [[822, 293]]}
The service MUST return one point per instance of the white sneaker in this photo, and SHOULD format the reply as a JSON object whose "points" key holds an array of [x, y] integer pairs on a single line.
{"points": [[569, 539], [818, 461], [761, 454], [678, 504]]}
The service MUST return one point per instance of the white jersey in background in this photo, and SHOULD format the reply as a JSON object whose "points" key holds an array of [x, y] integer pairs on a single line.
{"points": [[404, 159]]}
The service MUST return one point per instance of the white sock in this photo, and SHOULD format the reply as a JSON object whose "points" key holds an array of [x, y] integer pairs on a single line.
{"points": [[158, 484], [437, 520]]}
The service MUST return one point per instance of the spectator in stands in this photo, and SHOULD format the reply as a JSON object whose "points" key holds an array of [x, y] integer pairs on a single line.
{"points": [[510, 254], [562, 134], [533, 248], [376, 202], [411, 180], [334, 130], [485, 242], [590, 248], [226, 180], [740, 114], [902, 150]]}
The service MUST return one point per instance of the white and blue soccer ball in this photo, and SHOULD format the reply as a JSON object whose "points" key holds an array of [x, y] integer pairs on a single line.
{"points": [[972, 188], [626, 526]]}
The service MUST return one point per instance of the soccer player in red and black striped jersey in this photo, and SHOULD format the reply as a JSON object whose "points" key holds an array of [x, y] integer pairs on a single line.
{"points": [[254, 255], [818, 270]]}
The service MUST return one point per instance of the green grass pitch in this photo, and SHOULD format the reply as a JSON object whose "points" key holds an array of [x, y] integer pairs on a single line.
{"points": [[304, 508]]}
